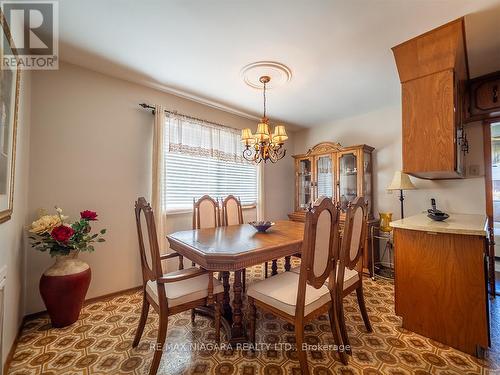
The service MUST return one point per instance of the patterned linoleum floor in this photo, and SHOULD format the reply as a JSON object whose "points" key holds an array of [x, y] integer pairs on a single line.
{"points": [[100, 343]]}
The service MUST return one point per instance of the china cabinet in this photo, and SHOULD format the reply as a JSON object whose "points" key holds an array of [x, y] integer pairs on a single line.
{"points": [[342, 173], [330, 170]]}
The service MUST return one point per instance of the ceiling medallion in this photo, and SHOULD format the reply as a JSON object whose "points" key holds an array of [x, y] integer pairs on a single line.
{"points": [[264, 145], [278, 73]]}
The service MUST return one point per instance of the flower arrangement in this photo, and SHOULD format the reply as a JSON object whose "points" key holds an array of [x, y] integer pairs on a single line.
{"points": [[52, 233]]}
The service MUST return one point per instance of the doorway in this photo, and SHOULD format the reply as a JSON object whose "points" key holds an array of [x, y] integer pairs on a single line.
{"points": [[495, 186], [491, 132]]}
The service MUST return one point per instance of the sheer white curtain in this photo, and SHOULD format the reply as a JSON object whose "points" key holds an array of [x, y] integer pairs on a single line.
{"points": [[203, 139], [159, 173]]}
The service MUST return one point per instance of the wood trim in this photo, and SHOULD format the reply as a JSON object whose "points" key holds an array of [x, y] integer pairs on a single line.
{"points": [[488, 184], [487, 170], [6, 215]]}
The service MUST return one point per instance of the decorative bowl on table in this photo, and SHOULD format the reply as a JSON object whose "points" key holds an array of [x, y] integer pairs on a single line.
{"points": [[438, 216], [261, 226]]}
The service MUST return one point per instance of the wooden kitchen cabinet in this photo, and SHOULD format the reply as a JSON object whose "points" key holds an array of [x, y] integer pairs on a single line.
{"points": [[433, 72], [440, 279], [429, 128], [483, 97]]}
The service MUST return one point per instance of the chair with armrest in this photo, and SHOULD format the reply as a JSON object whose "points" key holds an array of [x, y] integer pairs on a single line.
{"points": [[173, 292], [301, 297]]}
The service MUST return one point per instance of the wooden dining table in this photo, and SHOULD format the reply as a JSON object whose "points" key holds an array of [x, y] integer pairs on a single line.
{"points": [[231, 249]]}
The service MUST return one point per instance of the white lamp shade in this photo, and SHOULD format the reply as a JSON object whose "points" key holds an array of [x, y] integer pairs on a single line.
{"points": [[401, 181]]}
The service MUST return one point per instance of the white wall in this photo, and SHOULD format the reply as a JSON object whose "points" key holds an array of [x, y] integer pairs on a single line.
{"points": [[12, 236], [382, 130], [91, 149]]}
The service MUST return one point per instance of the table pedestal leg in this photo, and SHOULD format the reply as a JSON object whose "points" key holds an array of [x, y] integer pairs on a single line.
{"points": [[274, 267], [238, 330], [226, 306], [288, 264]]}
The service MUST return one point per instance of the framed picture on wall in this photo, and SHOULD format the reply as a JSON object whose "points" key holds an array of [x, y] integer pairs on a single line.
{"points": [[9, 106]]}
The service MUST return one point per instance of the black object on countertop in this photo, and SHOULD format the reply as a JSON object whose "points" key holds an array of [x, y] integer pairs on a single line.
{"points": [[436, 214]]}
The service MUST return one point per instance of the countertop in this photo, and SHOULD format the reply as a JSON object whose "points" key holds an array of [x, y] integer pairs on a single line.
{"points": [[468, 224]]}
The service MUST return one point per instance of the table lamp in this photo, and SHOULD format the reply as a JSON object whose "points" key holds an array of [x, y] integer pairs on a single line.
{"points": [[401, 181]]}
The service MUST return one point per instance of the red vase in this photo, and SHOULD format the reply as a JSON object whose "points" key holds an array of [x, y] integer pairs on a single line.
{"points": [[63, 288]]}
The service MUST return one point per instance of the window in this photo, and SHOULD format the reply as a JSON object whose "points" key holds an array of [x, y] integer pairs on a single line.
{"points": [[205, 159]]}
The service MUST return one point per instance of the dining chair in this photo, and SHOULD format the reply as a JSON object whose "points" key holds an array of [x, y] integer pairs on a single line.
{"points": [[300, 297], [173, 292], [206, 214], [350, 268], [232, 214], [350, 261]]}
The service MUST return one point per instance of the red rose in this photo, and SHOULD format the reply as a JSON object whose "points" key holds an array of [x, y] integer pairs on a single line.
{"points": [[88, 215], [62, 233]]}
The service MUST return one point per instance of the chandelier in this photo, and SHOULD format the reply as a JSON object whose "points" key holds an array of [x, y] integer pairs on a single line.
{"points": [[264, 145]]}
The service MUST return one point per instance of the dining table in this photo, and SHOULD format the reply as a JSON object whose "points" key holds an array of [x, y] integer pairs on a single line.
{"points": [[233, 248]]}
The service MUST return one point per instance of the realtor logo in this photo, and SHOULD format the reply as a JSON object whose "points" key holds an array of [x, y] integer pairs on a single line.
{"points": [[34, 28]]}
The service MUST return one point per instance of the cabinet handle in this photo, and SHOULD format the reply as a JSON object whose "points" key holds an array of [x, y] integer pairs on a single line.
{"points": [[495, 93]]}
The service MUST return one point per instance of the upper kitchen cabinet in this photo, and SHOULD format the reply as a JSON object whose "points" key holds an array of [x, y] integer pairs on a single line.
{"points": [[433, 71], [483, 97]]}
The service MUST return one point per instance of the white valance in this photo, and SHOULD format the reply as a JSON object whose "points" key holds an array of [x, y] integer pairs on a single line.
{"points": [[204, 139]]}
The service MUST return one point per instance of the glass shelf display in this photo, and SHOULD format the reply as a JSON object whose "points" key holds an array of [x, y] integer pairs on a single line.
{"points": [[304, 175], [330, 170], [324, 176], [348, 179]]}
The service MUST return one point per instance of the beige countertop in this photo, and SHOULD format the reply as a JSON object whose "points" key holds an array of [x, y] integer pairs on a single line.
{"points": [[475, 225]]}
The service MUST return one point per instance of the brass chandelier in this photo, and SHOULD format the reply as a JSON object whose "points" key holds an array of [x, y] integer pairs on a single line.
{"points": [[264, 145]]}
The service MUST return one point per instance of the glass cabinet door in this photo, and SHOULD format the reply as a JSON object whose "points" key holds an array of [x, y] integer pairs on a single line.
{"points": [[304, 184], [324, 176], [348, 178]]}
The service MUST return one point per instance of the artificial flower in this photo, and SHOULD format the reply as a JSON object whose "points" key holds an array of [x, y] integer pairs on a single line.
{"points": [[88, 215], [62, 233], [46, 223]]}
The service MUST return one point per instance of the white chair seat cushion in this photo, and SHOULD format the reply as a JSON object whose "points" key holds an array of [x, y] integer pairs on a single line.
{"points": [[350, 276], [184, 291], [280, 291]]}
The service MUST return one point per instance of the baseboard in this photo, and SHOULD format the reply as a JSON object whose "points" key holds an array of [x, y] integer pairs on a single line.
{"points": [[111, 295], [87, 301], [36, 315]]}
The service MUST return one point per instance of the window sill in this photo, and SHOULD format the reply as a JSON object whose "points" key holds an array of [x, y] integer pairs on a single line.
{"points": [[182, 211]]}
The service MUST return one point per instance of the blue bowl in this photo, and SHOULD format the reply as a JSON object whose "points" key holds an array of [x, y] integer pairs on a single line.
{"points": [[261, 226]]}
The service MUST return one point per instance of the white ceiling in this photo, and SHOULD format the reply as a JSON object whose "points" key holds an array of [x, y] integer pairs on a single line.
{"points": [[338, 50]]}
